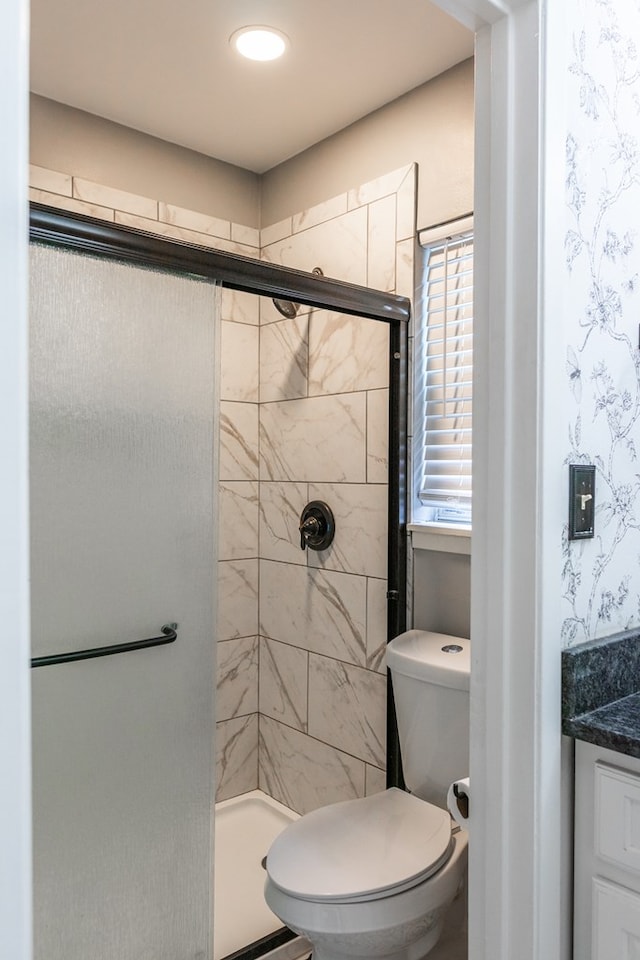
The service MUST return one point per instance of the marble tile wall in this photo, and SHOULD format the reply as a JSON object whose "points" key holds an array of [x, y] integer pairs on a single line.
{"points": [[323, 436], [238, 646], [301, 684]]}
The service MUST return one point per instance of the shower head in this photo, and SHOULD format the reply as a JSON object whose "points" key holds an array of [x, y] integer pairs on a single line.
{"points": [[288, 308]]}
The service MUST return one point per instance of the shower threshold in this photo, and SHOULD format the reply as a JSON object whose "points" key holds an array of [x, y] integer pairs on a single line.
{"points": [[245, 828]]}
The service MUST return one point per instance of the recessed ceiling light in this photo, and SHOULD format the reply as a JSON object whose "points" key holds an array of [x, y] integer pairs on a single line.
{"points": [[259, 43]]}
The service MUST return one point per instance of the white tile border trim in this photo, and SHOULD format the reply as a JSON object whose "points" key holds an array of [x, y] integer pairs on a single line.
{"points": [[43, 179], [66, 192], [92, 192]]}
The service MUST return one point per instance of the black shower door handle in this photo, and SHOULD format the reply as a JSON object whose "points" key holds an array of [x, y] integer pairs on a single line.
{"points": [[169, 633]]}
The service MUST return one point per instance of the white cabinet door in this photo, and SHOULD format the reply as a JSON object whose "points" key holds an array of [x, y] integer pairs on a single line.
{"points": [[607, 855], [617, 816], [616, 922]]}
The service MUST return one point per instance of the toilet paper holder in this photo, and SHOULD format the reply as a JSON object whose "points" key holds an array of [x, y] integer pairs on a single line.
{"points": [[458, 801], [462, 800]]}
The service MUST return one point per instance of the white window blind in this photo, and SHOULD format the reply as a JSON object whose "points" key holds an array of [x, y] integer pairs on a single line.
{"points": [[445, 370]]}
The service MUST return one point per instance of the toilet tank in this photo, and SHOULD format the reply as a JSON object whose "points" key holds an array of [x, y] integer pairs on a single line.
{"points": [[430, 677]]}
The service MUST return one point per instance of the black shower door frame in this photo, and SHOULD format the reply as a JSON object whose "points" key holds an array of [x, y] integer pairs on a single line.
{"points": [[51, 226]]}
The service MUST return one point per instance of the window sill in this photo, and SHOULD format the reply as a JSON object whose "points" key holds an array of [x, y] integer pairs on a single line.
{"points": [[444, 538]]}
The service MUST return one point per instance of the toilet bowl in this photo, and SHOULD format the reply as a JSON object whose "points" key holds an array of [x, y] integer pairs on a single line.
{"points": [[373, 877], [368, 878]]}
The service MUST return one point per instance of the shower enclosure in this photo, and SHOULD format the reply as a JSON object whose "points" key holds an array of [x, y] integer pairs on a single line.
{"points": [[122, 421], [123, 475]]}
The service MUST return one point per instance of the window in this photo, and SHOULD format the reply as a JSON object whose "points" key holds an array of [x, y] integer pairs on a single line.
{"points": [[443, 376]]}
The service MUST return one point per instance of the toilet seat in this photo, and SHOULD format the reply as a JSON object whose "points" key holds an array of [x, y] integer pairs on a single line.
{"points": [[361, 850]]}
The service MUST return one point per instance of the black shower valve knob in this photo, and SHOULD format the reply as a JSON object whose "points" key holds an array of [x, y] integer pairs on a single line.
{"points": [[317, 526], [310, 528]]}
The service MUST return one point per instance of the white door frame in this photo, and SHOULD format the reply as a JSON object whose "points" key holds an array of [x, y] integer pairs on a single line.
{"points": [[515, 873], [15, 747], [515, 766]]}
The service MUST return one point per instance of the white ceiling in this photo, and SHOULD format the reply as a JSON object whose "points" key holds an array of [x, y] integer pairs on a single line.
{"points": [[165, 67]]}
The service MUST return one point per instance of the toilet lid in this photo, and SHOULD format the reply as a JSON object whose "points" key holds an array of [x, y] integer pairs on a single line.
{"points": [[361, 849]]}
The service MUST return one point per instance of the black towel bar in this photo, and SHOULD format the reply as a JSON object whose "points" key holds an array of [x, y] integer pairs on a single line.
{"points": [[169, 634]]}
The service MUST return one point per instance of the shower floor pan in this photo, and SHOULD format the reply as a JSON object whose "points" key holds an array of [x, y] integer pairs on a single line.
{"points": [[245, 828]]}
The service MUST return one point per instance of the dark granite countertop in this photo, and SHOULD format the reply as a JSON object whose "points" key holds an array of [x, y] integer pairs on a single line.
{"points": [[601, 692], [615, 726]]}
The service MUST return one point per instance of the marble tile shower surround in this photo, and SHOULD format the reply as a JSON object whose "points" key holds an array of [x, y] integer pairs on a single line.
{"points": [[303, 772], [237, 678], [600, 592], [323, 435], [301, 684], [317, 438], [321, 611], [236, 756]]}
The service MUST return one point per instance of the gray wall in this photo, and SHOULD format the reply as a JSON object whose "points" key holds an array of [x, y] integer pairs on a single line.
{"points": [[431, 126], [442, 592], [66, 139]]}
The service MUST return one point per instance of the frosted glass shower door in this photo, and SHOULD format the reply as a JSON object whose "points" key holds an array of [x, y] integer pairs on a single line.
{"points": [[122, 421]]}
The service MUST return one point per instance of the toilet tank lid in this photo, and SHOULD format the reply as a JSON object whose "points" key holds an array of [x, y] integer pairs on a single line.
{"points": [[432, 657]]}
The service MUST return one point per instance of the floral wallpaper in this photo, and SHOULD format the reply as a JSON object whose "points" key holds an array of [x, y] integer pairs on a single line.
{"points": [[601, 577]]}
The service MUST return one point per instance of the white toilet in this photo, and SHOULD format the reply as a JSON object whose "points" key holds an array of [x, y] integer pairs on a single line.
{"points": [[373, 877]]}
